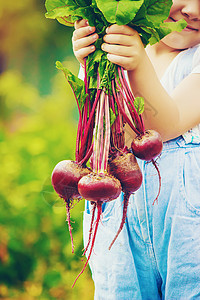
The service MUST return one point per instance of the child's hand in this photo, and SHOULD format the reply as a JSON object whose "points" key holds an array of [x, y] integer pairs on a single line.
{"points": [[124, 46], [83, 38]]}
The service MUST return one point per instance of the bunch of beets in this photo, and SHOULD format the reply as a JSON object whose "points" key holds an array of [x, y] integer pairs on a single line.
{"points": [[104, 166]]}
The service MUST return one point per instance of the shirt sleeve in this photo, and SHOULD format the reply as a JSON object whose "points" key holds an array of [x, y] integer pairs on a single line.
{"points": [[196, 61], [81, 73]]}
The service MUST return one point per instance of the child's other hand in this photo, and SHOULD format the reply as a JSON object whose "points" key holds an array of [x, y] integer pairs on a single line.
{"points": [[82, 40], [124, 46]]}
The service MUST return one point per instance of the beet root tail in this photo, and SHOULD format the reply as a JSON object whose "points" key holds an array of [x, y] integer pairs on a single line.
{"points": [[69, 224], [99, 212], [91, 229], [159, 176], [126, 201]]}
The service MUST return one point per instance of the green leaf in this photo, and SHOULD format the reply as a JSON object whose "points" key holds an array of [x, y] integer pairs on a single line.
{"points": [[98, 55], [157, 11], [139, 105], [166, 28], [76, 84], [66, 4], [68, 11], [174, 26], [119, 11]]}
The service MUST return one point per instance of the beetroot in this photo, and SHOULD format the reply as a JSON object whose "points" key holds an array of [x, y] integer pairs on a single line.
{"points": [[125, 168], [147, 145], [65, 178], [99, 187]]}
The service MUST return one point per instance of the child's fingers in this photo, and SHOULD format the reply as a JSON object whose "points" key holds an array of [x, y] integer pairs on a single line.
{"points": [[84, 52], [82, 32], [83, 38], [123, 45], [80, 43], [125, 62], [120, 29], [117, 50], [118, 39], [80, 23]]}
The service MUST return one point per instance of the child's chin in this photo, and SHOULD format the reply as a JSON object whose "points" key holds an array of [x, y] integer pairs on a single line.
{"points": [[180, 40]]}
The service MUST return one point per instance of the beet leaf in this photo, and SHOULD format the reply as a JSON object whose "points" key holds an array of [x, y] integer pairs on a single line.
{"points": [[120, 12], [76, 84]]}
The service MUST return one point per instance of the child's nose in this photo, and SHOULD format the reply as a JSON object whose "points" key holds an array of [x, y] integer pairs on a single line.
{"points": [[192, 10]]}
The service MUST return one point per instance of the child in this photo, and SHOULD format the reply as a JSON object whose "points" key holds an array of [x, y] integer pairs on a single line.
{"points": [[157, 255]]}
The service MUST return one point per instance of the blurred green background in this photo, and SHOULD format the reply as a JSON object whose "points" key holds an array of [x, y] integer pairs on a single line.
{"points": [[38, 121]]}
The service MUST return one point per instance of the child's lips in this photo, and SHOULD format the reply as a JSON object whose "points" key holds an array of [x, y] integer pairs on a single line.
{"points": [[190, 28]]}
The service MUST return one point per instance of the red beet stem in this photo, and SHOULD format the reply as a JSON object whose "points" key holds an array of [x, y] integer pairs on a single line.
{"points": [[130, 101], [131, 97], [79, 130], [87, 156], [88, 127], [107, 136], [157, 169], [126, 84], [99, 212], [100, 131], [142, 123], [122, 110], [126, 201], [118, 131], [85, 76], [67, 21]]}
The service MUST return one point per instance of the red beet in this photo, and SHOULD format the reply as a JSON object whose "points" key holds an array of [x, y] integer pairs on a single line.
{"points": [[147, 145], [99, 187], [65, 178], [125, 168]]}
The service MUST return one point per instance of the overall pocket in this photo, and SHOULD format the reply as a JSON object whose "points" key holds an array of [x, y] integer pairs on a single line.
{"points": [[191, 179]]}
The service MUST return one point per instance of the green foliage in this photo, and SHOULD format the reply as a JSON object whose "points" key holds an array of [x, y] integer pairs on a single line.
{"points": [[139, 105], [35, 248], [37, 130], [67, 12], [38, 121], [120, 12], [19, 23], [76, 84], [146, 16]]}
